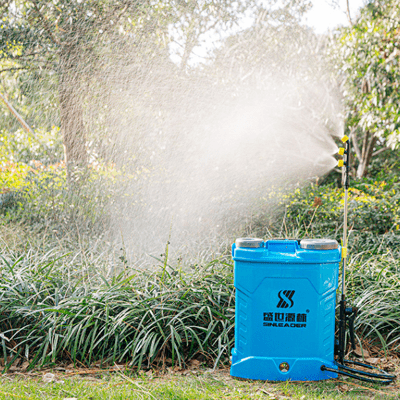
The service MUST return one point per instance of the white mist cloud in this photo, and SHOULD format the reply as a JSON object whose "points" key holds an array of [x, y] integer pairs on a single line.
{"points": [[210, 146]]}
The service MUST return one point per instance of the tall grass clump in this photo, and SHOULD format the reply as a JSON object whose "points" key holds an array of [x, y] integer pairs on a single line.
{"points": [[49, 313], [86, 307], [373, 284], [67, 297]]}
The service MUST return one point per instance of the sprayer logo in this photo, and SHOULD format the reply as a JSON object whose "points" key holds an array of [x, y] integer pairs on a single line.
{"points": [[285, 299]]}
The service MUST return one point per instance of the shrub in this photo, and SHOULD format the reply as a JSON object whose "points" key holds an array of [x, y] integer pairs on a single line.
{"points": [[21, 147], [373, 219], [53, 310], [373, 286]]}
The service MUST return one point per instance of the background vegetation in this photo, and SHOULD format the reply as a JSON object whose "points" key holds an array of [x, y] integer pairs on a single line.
{"points": [[66, 292]]}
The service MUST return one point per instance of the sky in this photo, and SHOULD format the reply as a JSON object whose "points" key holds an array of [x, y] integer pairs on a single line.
{"points": [[324, 15]]}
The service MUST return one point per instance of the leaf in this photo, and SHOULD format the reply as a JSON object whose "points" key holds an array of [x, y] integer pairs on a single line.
{"points": [[372, 360]]}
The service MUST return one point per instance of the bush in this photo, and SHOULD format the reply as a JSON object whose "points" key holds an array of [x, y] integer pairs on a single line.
{"points": [[53, 310], [373, 219], [70, 308], [373, 285], [21, 147], [38, 194]]}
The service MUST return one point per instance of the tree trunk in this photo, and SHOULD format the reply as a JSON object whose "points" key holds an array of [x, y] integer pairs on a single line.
{"points": [[369, 142], [71, 113], [186, 54]]}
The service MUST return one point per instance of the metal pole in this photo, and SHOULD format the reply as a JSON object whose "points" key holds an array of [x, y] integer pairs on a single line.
{"points": [[347, 315], [346, 195], [343, 312], [344, 251]]}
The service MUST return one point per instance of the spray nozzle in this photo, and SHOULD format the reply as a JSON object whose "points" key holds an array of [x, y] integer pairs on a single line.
{"points": [[342, 151]]}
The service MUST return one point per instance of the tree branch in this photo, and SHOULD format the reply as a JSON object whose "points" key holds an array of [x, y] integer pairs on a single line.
{"points": [[356, 147], [5, 3], [35, 53], [45, 24], [364, 145], [12, 69], [105, 22], [348, 12], [370, 150], [122, 12], [380, 151]]}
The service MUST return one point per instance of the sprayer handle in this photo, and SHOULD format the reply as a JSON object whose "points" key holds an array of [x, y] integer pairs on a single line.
{"points": [[351, 313]]}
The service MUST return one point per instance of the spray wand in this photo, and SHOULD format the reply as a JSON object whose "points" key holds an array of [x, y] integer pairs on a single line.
{"points": [[347, 315]]}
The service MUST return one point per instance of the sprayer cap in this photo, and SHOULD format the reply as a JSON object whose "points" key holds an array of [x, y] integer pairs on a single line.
{"points": [[345, 139], [340, 163], [319, 244], [341, 150], [249, 242]]}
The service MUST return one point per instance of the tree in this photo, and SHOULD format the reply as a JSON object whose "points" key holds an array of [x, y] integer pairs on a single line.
{"points": [[60, 37], [279, 52], [367, 55], [69, 38], [199, 21], [276, 44]]}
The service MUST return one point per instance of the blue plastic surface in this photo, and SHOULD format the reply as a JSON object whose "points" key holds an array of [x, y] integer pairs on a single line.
{"points": [[285, 311]]}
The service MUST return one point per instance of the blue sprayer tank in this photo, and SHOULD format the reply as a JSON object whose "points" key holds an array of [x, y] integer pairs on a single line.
{"points": [[285, 308]]}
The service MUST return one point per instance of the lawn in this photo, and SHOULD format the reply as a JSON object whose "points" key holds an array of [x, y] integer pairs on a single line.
{"points": [[190, 384]]}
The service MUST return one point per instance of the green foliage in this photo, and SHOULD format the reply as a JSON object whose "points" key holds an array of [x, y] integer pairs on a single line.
{"points": [[32, 94], [43, 198], [13, 176], [32, 33], [21, 147], [370, 65], [52, 310], [373, 284], [71, 308], [58, 43], [374, 212], [366, 57], [385, 167], [85, 307], [36, 192]]}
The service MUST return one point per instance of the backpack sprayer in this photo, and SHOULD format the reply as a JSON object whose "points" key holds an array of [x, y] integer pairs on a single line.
{"points": [[347, 315], [286, 306]]}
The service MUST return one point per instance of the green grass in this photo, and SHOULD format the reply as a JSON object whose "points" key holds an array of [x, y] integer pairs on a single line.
{"points": [[85, 306], [197, 385], [373, 284], [55, 308], [74, 298]]}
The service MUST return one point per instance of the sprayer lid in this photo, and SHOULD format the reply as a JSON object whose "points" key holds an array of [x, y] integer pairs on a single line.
{"points": [[249, 242], [319, 244]]}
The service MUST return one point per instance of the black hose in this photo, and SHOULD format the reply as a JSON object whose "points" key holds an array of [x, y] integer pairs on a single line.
{"points": [[382, 375], [383, 378], [360, 378], [370, 367]]}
